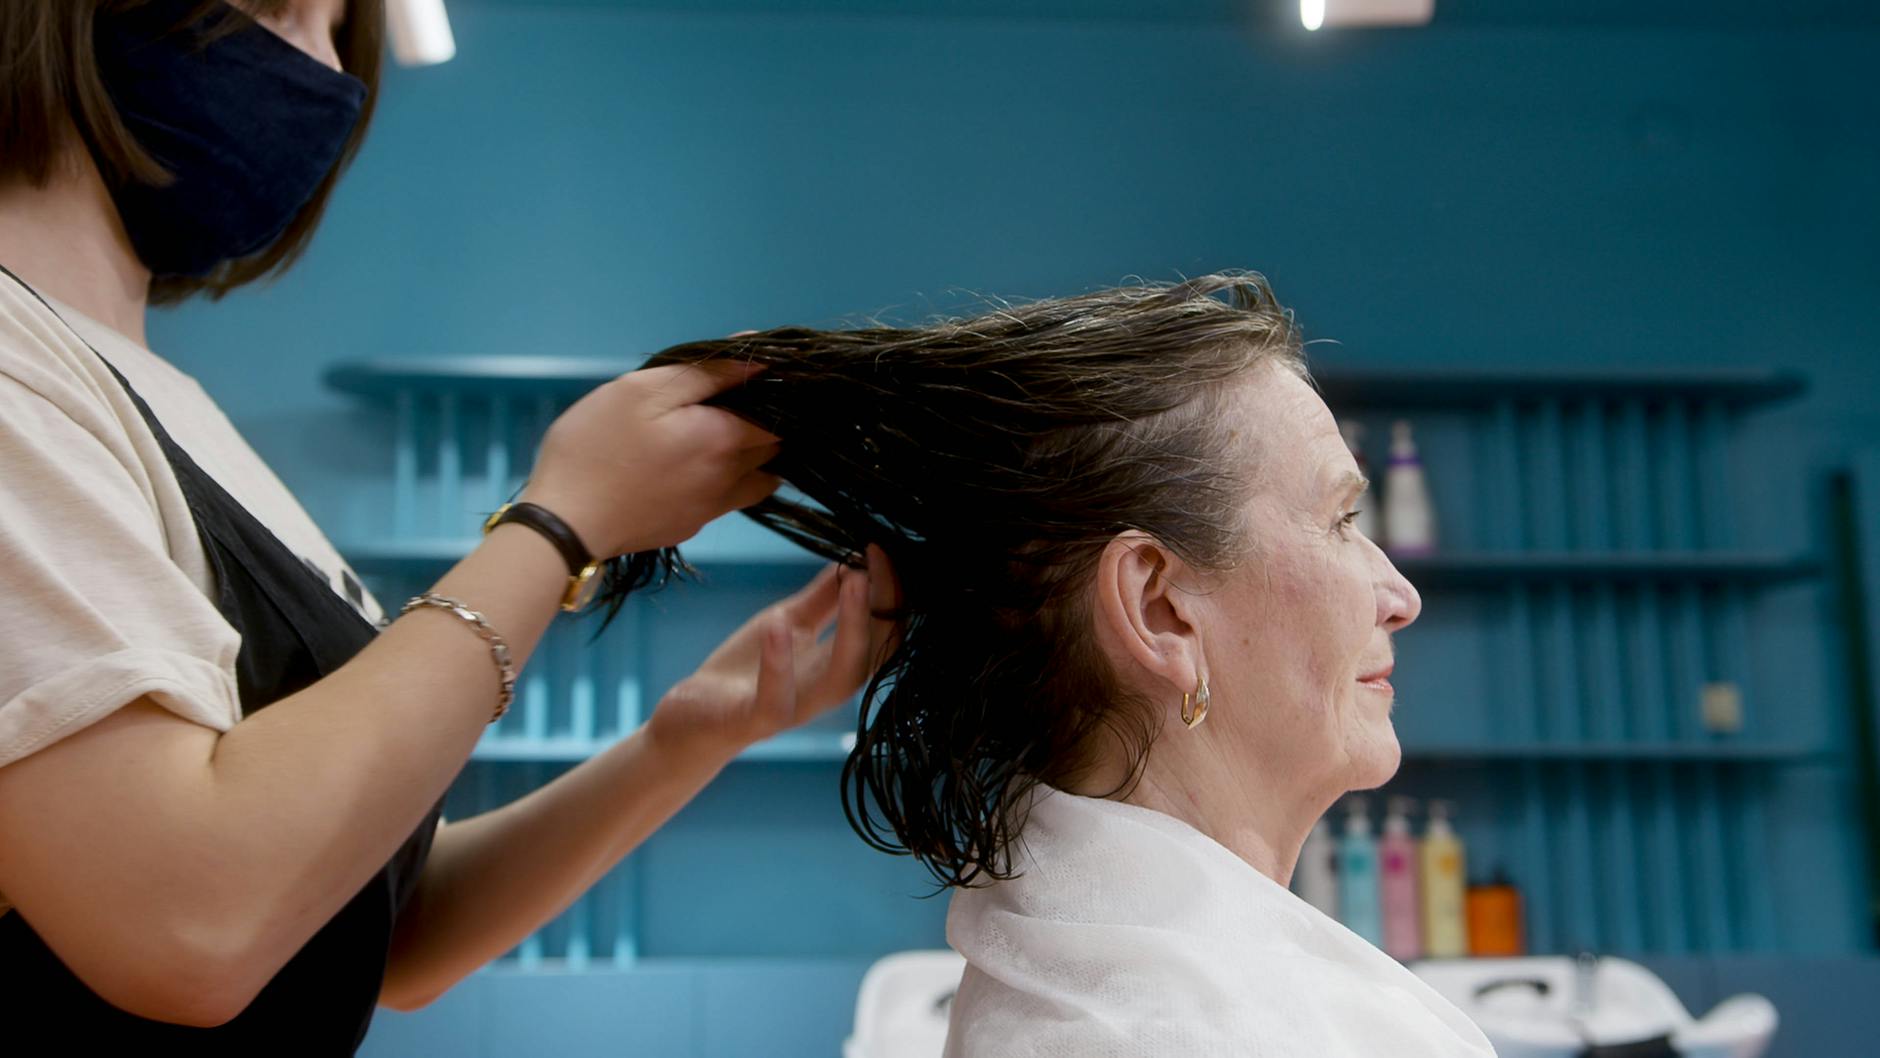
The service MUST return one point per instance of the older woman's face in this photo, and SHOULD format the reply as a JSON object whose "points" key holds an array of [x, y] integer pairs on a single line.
{"points": [[1298, 638]]}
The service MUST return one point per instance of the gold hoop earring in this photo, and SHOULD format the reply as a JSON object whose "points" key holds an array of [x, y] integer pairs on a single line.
{"points": [[1201, 699]]}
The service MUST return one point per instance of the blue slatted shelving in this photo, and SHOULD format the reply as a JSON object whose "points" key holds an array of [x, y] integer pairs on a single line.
{"points": [[1591, 596]]}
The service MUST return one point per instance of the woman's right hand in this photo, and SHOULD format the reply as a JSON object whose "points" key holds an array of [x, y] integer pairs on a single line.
{"points": [[639, 463]]}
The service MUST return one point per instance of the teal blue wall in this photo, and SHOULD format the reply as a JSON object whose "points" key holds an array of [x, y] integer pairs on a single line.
{"points": [[599, 181], [596, 182]]}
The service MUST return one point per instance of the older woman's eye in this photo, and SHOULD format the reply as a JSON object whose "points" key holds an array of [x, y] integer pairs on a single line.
{"points": [[1345, 522]]}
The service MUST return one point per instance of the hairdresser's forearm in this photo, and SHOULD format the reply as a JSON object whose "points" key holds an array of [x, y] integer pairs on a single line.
{"points": [[494, 879], [320, 788]]}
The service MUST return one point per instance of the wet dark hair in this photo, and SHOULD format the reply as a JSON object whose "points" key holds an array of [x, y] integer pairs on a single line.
{"points": [[49, 77], [993, 459]]}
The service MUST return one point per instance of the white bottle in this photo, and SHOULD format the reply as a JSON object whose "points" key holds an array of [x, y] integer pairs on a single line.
{"points": [[1315, 879], [1366, 522], [1409, 521]]}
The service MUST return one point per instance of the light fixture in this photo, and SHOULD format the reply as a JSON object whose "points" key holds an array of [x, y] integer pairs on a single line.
{"points": [[420, 32], [1316, 13]]}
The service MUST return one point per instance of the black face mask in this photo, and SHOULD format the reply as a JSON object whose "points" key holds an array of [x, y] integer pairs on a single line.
{"points": [[246, 123]]}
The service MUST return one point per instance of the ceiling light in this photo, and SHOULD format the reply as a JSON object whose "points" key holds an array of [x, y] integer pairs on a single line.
{"points": [[420, 32], [1316, 13]]}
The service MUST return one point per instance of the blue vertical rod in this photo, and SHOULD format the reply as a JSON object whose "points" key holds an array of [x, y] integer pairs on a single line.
{"points": [[1644, 531], [545, 409], [1494, 508], [1544, 913], [1535, 867], [449, 468], [1686, 516], [1677, 496], [624, 884], [1536, 824], [1531, 852], [1622, 861], [580, 918], [1578, 919], [1763, 928], [497, 455], [538, 690], [404, 464], [1677, 499], [1744, 860], [583, 690], [1669, 854], [1633, 494], [1753, 911], [1511, 535], [1604, 710], [1606, 703], [488, 791], [521, 780], [1559, 704]]}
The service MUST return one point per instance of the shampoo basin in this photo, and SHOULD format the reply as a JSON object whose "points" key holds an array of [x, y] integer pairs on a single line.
{"points": [[905, 1003], [1561, 1007]]}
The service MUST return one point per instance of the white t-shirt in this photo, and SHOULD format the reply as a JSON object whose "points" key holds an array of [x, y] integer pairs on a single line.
{"points": [[107, 592]]}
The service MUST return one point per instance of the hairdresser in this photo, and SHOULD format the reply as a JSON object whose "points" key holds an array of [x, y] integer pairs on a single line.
{"points": [[220, 776]]}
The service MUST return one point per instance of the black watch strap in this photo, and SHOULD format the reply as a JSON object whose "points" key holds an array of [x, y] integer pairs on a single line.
{"points": [[543, 521]]}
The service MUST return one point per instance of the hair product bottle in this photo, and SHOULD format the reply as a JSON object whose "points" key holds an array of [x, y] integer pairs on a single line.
{"points": [[1357, 876], [1445, 935], [1366, 522], [1315, 879], [1397, 860], [1409, 520], [1494, 913]]}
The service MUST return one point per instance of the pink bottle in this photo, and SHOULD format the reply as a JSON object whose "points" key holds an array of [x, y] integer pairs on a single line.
{"points": [[1397, 863]]}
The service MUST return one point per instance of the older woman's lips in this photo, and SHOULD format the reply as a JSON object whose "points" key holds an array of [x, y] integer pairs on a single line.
{"points": [[1380, 680]]}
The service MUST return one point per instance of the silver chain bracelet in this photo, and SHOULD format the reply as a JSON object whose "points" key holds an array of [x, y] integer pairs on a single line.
{"points": [[499, 647]]}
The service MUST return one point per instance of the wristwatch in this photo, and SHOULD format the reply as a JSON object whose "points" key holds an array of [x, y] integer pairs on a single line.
{"points": [[583, 568]]}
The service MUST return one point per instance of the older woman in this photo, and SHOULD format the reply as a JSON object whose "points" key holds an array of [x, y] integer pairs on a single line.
{"points": [[1143, 650]]}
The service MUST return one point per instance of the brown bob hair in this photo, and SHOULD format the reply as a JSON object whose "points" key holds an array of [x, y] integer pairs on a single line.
{"points": [[50, 89], [993, 458]]}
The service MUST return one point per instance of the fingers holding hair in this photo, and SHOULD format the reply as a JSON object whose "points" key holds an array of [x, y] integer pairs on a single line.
{"points": [[884, 608], [677, 385], [847, 667]]}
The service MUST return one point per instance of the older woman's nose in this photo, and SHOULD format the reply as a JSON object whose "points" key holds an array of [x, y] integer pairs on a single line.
{"points": [[1398, 603]]}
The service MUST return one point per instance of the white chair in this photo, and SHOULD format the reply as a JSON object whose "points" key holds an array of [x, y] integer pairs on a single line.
{"points": [[902, 1008], [1554, 1007]]}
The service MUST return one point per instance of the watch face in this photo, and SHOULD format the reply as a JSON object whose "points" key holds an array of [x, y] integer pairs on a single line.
{"points": [[582, 587]]}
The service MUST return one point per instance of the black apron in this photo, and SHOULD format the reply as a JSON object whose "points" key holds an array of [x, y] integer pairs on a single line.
{"points": [[295, 629]]}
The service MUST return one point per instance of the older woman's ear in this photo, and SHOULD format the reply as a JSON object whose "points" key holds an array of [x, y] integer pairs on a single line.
{"points": [[1144, 616]]}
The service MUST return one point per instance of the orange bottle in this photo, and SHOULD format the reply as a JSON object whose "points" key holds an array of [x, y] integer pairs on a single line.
{"points": [[1494, 915]]}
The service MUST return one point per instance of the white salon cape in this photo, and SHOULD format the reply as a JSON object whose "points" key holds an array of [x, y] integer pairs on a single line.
{"points": [[1129, 934]]}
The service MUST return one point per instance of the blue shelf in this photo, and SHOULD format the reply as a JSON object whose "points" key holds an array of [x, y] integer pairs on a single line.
{"points": [[1347, 388], [830, 746], [1344, 387], [480, 375], [1482, 569], [1656, 752], [1490, 569], [423, 555], [1609, 833], [791, 747]]}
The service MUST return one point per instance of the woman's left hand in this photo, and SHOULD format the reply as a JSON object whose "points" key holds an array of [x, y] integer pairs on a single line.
{"points": [[778, 670]]}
